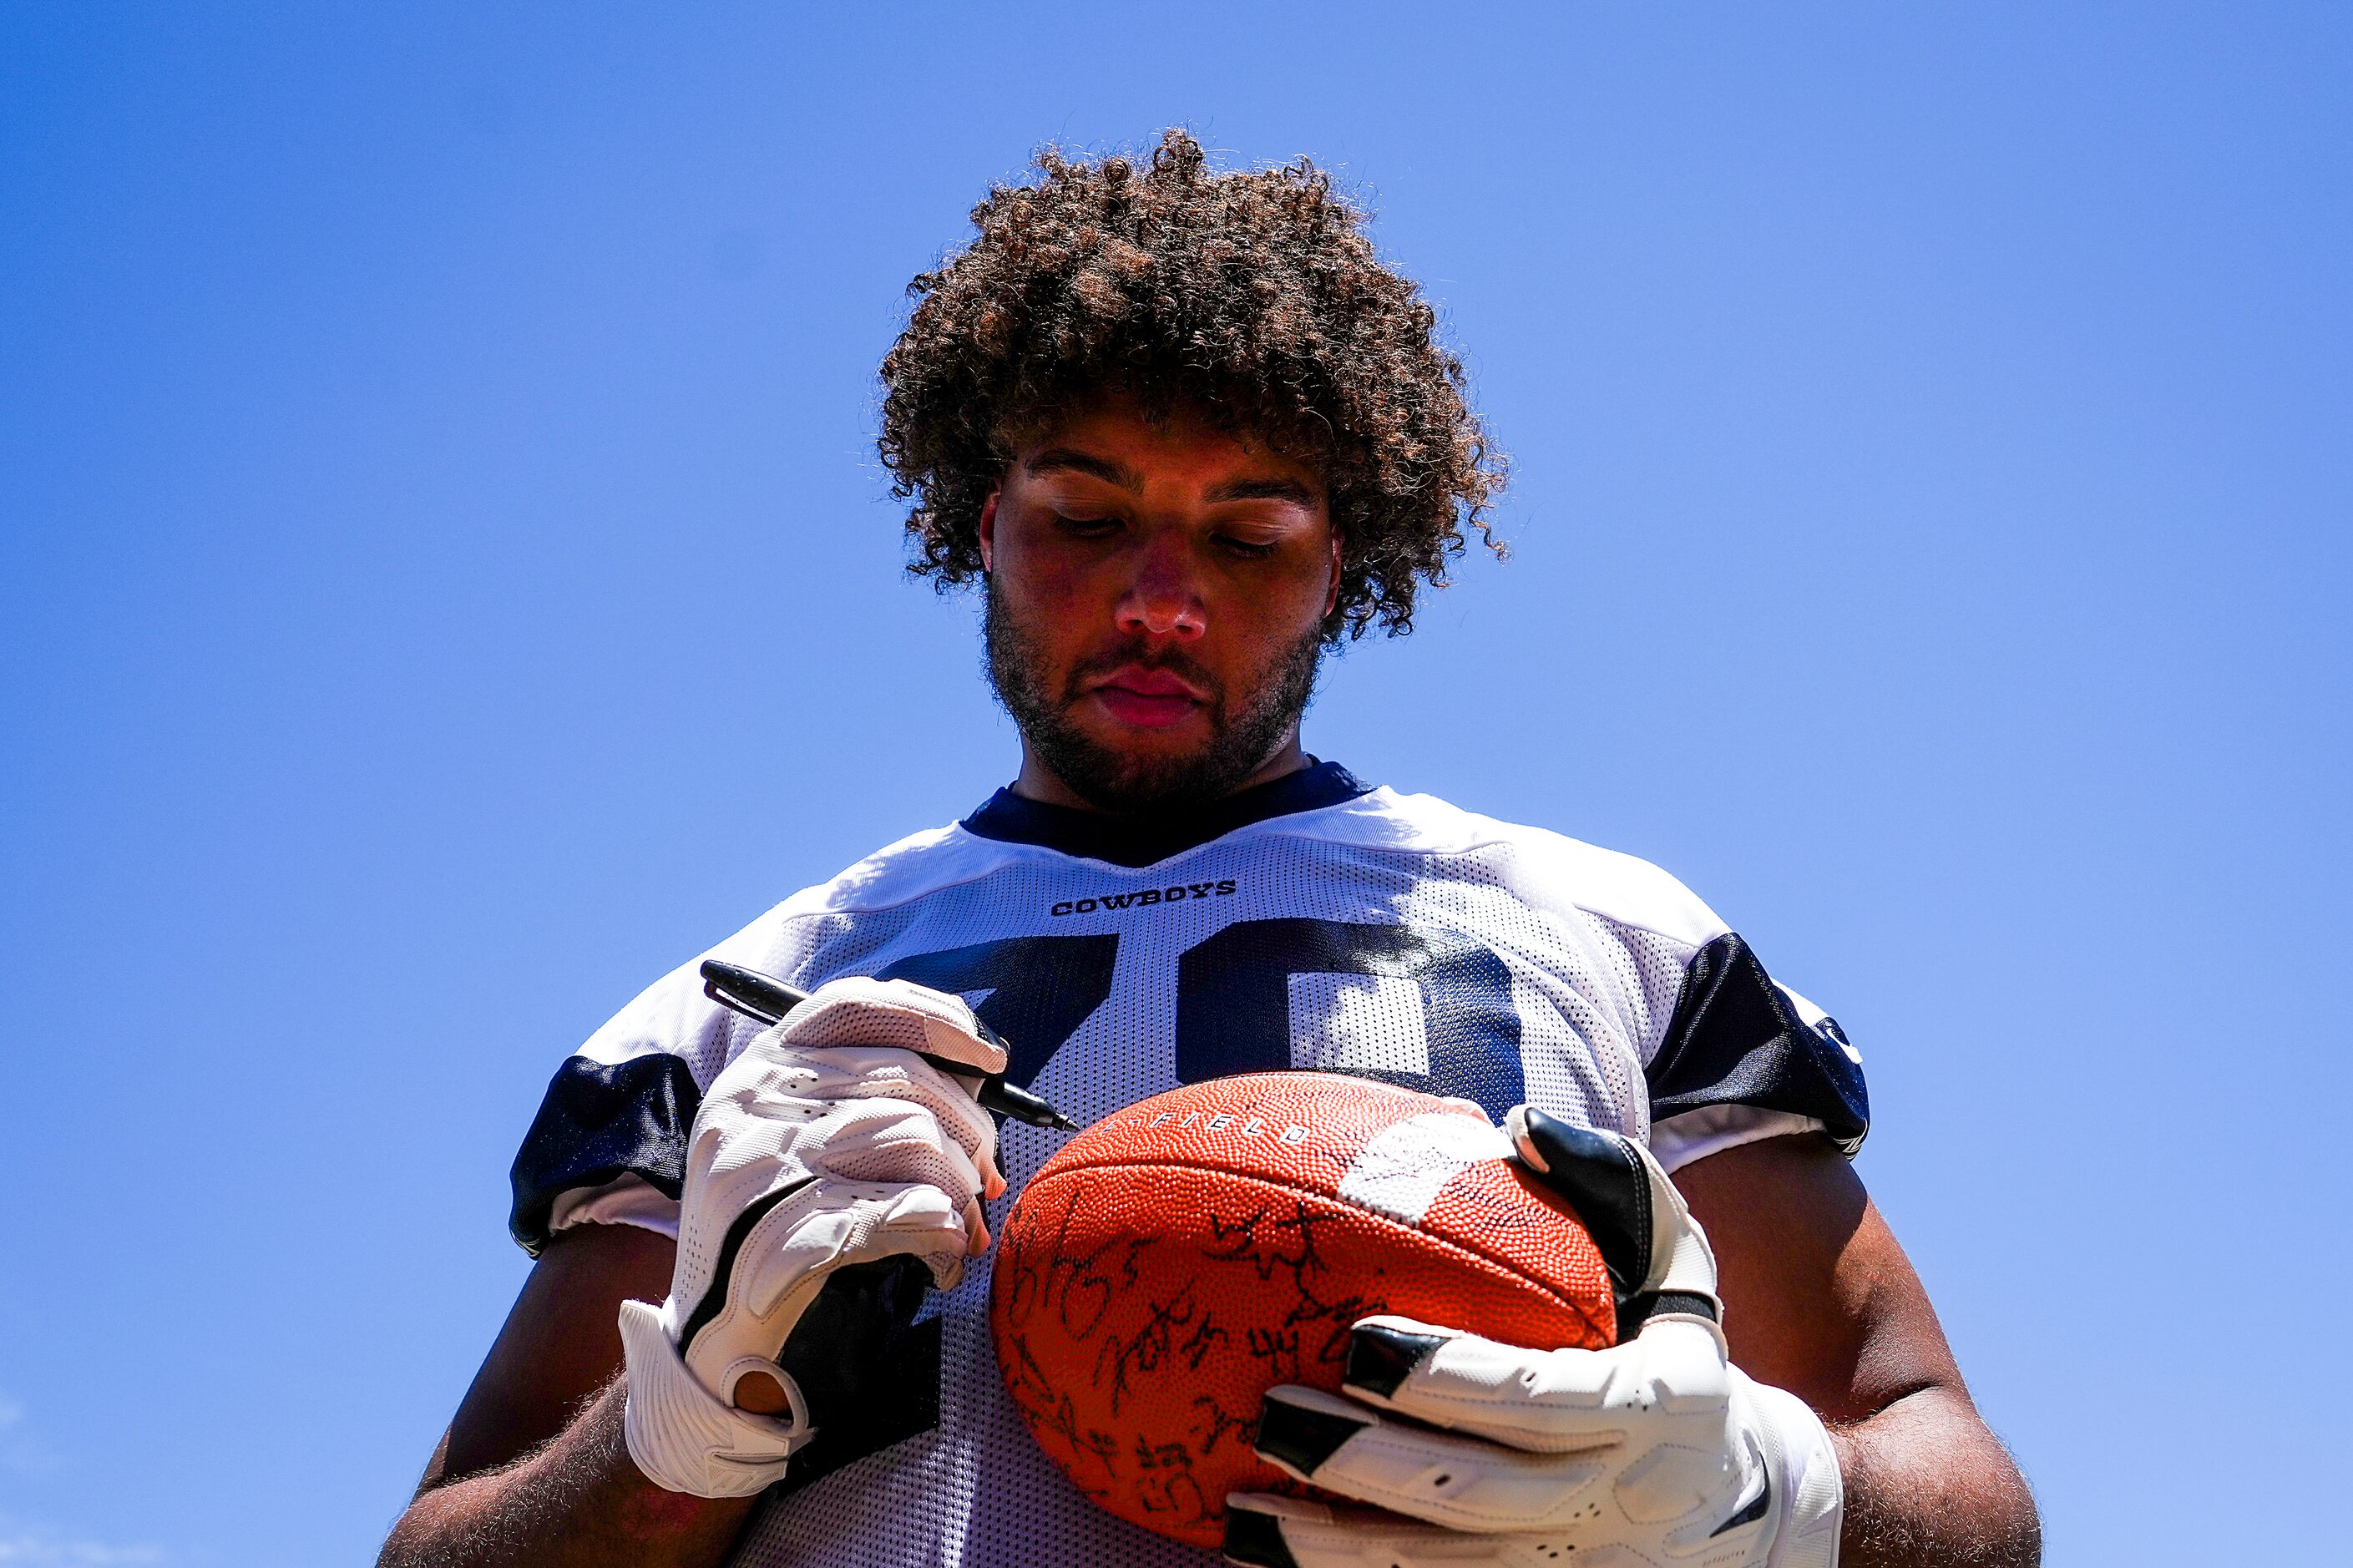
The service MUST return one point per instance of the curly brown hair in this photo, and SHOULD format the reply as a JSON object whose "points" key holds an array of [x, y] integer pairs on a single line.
{"points": [[1252, 297]]}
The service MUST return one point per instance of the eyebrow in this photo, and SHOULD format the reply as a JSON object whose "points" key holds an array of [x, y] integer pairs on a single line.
{"points": [[1291, 490], [1104, 468]]}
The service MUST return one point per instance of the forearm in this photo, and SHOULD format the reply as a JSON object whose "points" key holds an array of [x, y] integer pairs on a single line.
{"points": [[1929, 1485], [576, 1503]]}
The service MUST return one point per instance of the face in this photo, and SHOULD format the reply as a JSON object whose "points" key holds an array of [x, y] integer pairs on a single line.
{"points": [[1156, 599]]}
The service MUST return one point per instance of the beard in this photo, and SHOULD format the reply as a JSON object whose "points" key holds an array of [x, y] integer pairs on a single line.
{"points": [[1242, 733]]}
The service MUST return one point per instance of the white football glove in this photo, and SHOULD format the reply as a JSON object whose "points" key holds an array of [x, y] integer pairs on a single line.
{"points": [[832, 1174], [1654, 1453]]}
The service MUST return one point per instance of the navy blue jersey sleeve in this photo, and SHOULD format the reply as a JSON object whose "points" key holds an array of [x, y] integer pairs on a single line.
{"points": [[1736, 1038], [599, 1121]]}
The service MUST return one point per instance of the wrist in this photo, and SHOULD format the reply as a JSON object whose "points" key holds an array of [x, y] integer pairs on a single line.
{"points": [[1804, 1461], [681, 1436]]}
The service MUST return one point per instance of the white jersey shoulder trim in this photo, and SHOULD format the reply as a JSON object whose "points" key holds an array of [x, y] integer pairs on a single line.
{"points": [[1681, 1141], [627, 1199]]}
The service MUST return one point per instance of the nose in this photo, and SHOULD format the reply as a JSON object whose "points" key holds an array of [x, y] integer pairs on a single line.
{"points": [[1162, 601]]}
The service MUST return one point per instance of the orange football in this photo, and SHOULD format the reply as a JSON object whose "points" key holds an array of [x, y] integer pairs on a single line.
{"points": [[1176, 1260]]}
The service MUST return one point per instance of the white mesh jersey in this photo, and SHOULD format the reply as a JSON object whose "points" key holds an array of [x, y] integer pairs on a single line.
{"points": [[1326, 927]]}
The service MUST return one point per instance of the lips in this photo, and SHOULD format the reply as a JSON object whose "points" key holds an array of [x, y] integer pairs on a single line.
{"points": [[1148, 699]]}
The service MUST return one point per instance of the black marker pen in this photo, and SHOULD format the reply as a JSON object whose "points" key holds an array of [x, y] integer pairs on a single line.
{"points": [[765, 999]]}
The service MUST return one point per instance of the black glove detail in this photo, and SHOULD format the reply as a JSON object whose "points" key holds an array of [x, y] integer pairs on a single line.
{"points": [[870, 1371], [1607, 1184]]}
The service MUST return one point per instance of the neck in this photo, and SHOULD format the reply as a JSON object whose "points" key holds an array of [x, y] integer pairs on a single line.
{"points": [[1039, 782]]}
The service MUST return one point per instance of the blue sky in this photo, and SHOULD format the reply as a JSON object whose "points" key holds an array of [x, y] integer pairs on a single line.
{"points": [[449, 581]]}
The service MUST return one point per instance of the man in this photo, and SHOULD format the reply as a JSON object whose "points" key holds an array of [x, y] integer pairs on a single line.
{"points": [[1188, 432]]}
